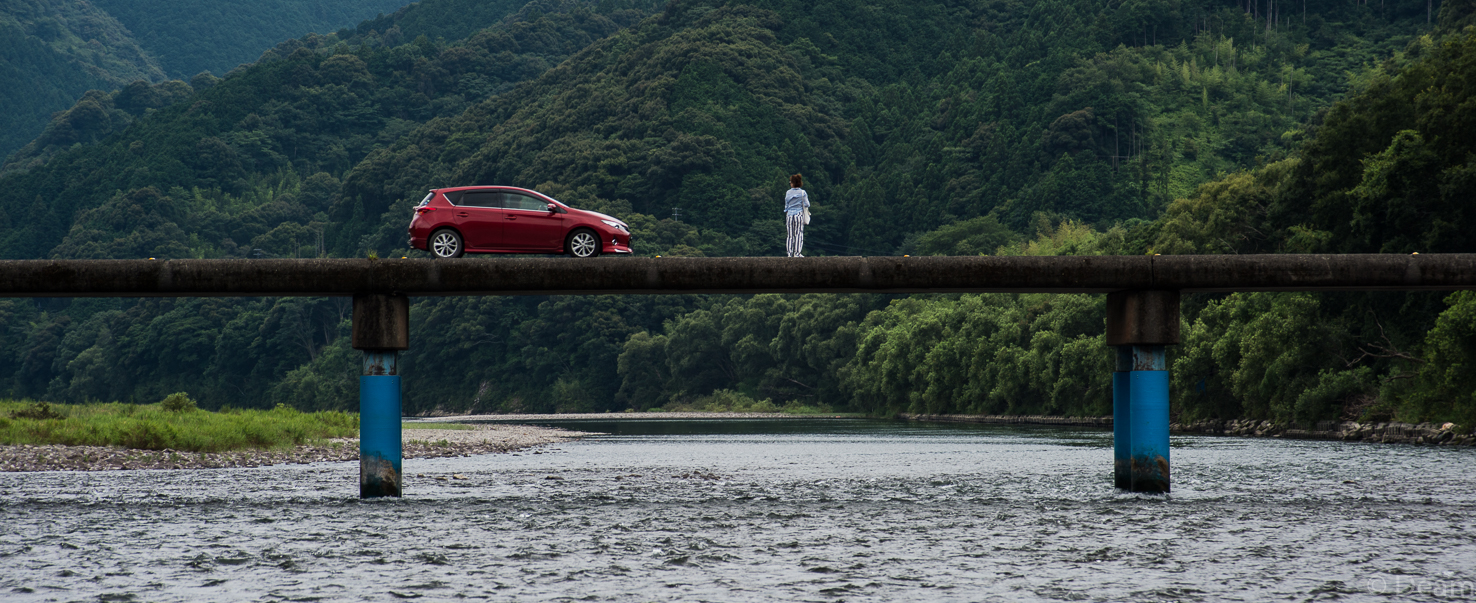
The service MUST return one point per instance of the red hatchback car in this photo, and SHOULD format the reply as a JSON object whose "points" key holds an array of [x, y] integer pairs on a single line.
{"points": [[505, 219]]}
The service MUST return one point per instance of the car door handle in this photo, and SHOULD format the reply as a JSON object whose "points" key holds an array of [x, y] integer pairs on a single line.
{"points": [[512, 217], [462, 214]]}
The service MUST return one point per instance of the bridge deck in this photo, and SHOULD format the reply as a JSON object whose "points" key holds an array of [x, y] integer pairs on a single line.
{"points": [[564, 276]]}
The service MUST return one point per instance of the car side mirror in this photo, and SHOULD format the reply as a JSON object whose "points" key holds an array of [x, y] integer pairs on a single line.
{"points": [[553, 209]]}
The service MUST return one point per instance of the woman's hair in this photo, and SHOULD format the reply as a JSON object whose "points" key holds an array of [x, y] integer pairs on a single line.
{"points": [[796, 181]]}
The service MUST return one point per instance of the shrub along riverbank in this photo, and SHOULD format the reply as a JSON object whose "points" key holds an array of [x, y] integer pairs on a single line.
{"points": [[172, 424]]}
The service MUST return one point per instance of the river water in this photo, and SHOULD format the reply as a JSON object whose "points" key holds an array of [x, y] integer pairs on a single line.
{"points": [[791, 510]]}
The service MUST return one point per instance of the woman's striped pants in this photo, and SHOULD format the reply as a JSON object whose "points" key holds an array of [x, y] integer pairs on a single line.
{"points": [[795, 241]]}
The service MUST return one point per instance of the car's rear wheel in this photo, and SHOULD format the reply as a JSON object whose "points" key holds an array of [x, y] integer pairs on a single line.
{"points": [[583, 244], [445, 243]]}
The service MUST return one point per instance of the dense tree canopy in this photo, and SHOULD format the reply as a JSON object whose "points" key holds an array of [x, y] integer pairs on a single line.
{"points": [[51, 52], [54, 51], [190, 36]]}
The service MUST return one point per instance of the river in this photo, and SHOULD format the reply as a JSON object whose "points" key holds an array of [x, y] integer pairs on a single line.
{"points": [[779, 510]]}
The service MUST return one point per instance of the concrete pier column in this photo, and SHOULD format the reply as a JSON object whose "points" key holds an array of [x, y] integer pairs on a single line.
{"points": [[1122, 426], [381, 329], [1139, 325]]}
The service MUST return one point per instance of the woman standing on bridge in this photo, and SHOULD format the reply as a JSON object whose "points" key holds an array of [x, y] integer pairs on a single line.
{"points": [[796, 216]]}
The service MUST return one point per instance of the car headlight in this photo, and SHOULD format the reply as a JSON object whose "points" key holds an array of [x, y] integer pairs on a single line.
{"points": [[614, 224]]}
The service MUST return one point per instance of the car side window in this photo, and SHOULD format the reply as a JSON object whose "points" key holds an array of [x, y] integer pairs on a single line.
{"points": [[516, 201], [480, 199]]}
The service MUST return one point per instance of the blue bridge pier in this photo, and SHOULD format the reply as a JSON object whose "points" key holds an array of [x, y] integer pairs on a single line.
{"points": [[1139, 325], [381, 328]]}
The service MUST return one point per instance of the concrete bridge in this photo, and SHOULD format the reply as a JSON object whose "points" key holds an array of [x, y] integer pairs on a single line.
{"points": [[1142, 306]]}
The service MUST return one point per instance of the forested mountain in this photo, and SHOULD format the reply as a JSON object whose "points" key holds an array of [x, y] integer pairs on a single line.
{"points": [[191, 36], [53, 51], [983, 126]]}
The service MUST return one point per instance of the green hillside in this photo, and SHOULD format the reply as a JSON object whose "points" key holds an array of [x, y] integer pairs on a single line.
{"points": [[1060, 127], [190, 36], [53, 51], [50, 53]]}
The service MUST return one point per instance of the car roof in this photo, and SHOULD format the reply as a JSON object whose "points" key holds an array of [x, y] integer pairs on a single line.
{"points": [[515, 189], [452, 189]]}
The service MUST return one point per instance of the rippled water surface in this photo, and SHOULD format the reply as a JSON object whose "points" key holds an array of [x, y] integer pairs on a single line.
{"points": [[757, 511]]}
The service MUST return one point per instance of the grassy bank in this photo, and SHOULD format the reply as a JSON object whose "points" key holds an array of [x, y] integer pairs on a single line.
{"points": [[174, 424], [725, 400]]}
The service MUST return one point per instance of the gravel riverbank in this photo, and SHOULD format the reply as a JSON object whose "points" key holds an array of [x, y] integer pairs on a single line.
{"points": [[418, 443], [1444, 434], [1430, 434]]}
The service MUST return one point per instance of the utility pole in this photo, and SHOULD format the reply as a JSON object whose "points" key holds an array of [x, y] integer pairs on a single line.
{"points": [[676, 214]]}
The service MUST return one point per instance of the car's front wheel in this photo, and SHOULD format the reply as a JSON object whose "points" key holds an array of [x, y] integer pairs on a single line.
{"points": [[445, 243], [583, 244]]}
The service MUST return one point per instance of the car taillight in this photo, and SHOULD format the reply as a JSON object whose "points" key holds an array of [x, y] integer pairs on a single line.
{"points": [[424, 210]]}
